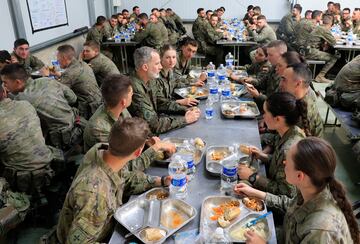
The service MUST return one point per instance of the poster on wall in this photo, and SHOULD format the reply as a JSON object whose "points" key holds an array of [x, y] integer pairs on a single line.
{"points": [[47, 14]]}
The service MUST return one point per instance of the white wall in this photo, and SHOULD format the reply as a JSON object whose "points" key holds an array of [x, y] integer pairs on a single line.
{"points": [[100, 8], [322, 4], [186, 9], [8, 35]]}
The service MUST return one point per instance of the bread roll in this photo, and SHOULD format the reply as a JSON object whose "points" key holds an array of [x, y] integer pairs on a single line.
{"points": [[153, 234], [231, 213], [222, 222], [245, 149]]}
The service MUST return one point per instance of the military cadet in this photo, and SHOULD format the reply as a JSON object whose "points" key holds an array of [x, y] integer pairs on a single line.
{"points": [[24, 156], [96, 32], [177, 20], [356, 20], [303, 31], [209, 13], [135, 14], [269, 83], [111, 27], [321, 212], [168, 80], [98, 188], [5, 58], [198, 26], [80, 78], [188, 48], [320, 42], [337, 13], [281, 113], [22, 55], [101, 65], [212, 34], [257, 10], [122, 22], [330, 8], [164, 33], [346, 22], [170, 26], [296, 80], [286, 28], [308, 14], [145, 103], [249, 14], [263, 33], [51, 100], [126, 14], [150, 35]]}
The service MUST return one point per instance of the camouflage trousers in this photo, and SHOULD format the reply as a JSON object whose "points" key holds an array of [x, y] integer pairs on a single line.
{"points": [[329, 58]]}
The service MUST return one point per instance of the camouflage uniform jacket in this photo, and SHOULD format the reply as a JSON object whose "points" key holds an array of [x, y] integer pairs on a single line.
{"points": [[211, 35], [98, 129], [264, 35], [163, 31], [110, 31], [81, 79], [178, 23], [145, 105], [197, 28], [356, 29], [348, 79], [275, 182], [267, 84], [167, 82], [31, 63], [150, 36], [22, 145], [51, 101], [303, 31], [286, 29], [320, 220], [102, 66], [319, 36], [258, 69], [313, 115], [94, 34], [94, 196]]}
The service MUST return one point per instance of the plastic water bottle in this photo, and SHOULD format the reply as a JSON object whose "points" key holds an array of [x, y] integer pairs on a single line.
{"points": [[127, 36], [188, 156], [177, 170], [229, 173], [209, 109], [221, 72], [226, 90], [210, 70], [350, 38], [117, 38], [213, 89], [229, 60]]}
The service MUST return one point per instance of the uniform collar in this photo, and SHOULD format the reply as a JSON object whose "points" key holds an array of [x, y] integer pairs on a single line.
{"points": [[293, 130]]}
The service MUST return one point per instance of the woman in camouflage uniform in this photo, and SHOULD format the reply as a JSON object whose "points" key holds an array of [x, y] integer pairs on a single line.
{"points": [[321, 213]]}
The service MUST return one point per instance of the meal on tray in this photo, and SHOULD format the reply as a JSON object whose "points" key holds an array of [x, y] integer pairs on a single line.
{"points": [[216, 156], [226, 212], [238, 233], [253, 204], [245, 149], [154, 234]]}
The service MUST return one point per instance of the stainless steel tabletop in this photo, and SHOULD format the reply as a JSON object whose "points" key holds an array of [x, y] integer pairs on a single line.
{"points": [[236, 43], [217, 131]]}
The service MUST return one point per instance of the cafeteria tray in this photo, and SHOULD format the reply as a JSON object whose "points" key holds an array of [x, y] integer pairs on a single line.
{"points": [[231, 109], [178, 141], [237, 90], [214, 167], [165, 214], [208, 226], [198, 93]]}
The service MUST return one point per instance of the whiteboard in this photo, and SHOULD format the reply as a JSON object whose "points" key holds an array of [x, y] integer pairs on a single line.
{"points": [[47, 14]]}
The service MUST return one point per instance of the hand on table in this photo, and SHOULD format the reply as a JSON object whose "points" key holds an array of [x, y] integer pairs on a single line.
{"points": [[245, 189], [244, 172], [192, 116], [188, 102], [252, 90], [253, 238]]}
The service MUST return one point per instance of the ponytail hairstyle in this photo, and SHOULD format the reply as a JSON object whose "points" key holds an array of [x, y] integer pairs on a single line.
{"points": [[292, 57], [166, 48], [285, 104], [317, 159]]}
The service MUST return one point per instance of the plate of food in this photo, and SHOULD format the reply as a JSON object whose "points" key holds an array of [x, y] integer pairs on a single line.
{"points": [[192, 92], [253, 204], [195, 73], [214, 155], [239, 109]]}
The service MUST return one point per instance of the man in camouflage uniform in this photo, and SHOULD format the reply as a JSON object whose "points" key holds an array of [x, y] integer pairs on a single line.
{"points": [[135, 14], [198, 26], [98, 188], [145, 103], [346, 22], [51, 101], [286, 29], [170, 26], [101, 65], [22, 55], [164, 33], [96, 32], [117, 93], [212, 34], [150, 35], [5, 58], [296, 80], [111, 27], [263, 34], [356, 20], [177, 20], [24, 155], [319, 43], [81, 79]]}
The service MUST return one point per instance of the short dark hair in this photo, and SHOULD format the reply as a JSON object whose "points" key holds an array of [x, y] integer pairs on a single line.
{"points": [[113, 88], [302, 71], [188, 41], [93, 44], [20, 42], [330, 3], [154, 9], [15, 72], [114, 16], [135, 7], [208, 11], [292, 57], [316, 13], [328, 19], [223, 8], [143, 16], [250, 7], [257, 8], [348, 9], [124, 10], [280, 44], [298, 7], [199, 10], [4, 56], [169, 9], [100, 20], [67, 50], [127, 135], [308, 11], [260, 17]]}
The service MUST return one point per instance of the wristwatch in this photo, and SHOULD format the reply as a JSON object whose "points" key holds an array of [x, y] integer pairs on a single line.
{"points": [[252, 178]]}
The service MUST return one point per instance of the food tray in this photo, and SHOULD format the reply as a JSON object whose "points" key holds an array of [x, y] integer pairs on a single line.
{"points": [[198, 92], [195, 73], [237, 90], [168, 215], [231, 109], [208, 226], [214, 167], [178, 141]]}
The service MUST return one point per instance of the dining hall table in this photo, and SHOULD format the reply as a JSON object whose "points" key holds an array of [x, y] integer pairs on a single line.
{"points": [[217, 131], [236, 45]]}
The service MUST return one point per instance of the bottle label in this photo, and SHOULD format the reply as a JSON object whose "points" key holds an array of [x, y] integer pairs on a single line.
{"points": [[230, 172], [213, 91], [211, 74], [209, 112], [190, 164], [229, 63], [225, 93], [221, 77], [178, 182]]}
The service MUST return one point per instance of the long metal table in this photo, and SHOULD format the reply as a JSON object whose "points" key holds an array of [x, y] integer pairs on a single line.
{"points": [[236, 45], [351, 50], [217, 131]]}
